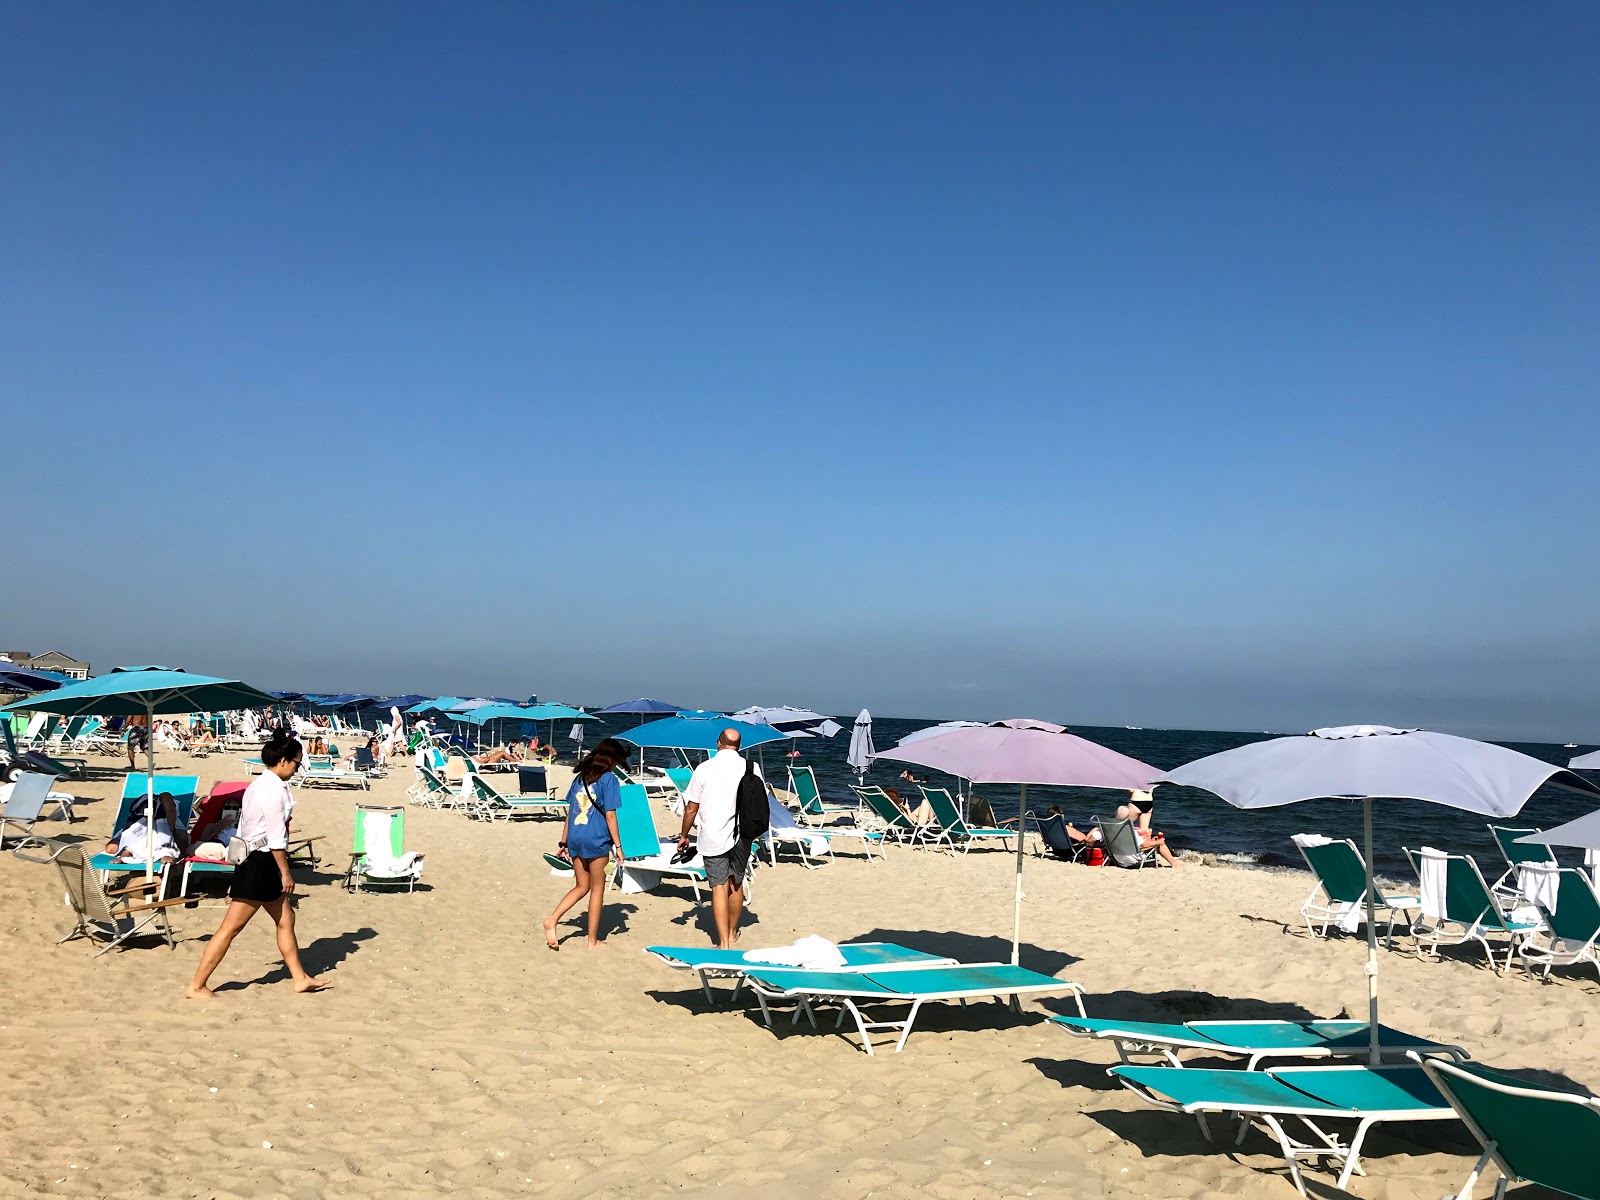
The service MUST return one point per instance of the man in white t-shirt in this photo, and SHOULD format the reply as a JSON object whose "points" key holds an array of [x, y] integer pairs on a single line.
{"points": [[713, 796]]}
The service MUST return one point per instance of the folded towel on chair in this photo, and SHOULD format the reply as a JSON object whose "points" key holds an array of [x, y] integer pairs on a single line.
{"points": [[1433, 869], [811, 953], [408, 865], [1540, 884]]}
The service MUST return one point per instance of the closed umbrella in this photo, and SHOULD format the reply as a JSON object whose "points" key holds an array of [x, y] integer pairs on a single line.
{"points": [[1370, 762], [860, 756], [1024, 752], [126, 693]]}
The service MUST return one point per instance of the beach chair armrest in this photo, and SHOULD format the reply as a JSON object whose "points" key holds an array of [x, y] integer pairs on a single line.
{"points": [[143, 885], [151, 905]]}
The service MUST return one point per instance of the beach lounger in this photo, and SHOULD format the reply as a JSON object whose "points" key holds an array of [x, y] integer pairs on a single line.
{"points": [[378, 855], [24, 802], [953, 830], [487, 803], [1531, 1135], [1516, 854], [1255, 1041], [913, 985], [436, 790], [36, 760], [1342, 880], [646, 856], [324, 770], [895, 822], [1368, 1096], [708, 963], [182, 789], [100, 915], [812, 806], [1458, 907], [1571, 925], [814, 844]]}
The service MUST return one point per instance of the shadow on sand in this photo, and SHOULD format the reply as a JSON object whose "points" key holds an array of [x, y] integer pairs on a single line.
{"points": [[324, 954]]}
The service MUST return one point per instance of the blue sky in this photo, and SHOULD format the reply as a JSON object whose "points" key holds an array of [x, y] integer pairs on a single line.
{"points": [[1224, 366]]}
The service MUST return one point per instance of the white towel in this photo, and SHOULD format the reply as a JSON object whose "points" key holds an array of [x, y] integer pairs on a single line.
{"points": [[1432, 869], [1349, 915], [408, 865], [1540, 883], [1310, 841], [812, 953]]}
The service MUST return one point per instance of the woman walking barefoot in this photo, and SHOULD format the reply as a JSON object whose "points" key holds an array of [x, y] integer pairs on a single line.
{"points": [[262, 880], [591, 834]]}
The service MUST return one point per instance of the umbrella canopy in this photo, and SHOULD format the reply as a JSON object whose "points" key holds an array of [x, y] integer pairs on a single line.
{"points": [[556, 712], [698, 732], [401, 701], [935, 730], [499, 712], [1586, 762], [1368, 762], [1582, 833], [860, 756], [439, 704], [145, 693], [26, 679], [644, 705], [1024, 751], [796, 722]]}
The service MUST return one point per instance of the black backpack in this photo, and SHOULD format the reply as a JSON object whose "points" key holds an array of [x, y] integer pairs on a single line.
{"points": [[752, 804]]}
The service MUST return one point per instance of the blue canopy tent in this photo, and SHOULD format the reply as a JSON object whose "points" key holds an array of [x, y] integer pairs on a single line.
{"points": [[132, 693]]}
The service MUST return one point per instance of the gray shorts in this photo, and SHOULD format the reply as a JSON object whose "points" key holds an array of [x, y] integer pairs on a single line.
{"points": [[720, 868]]}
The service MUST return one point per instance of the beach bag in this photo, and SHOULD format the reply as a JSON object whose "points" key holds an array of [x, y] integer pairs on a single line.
{"points": [[752, 804], [237, 851]]}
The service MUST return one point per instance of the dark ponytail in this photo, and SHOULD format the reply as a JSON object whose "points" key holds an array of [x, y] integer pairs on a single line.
{"points": [[282, 746]]}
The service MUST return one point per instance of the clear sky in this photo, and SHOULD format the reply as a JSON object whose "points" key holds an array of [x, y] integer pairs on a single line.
{"points": [[1227, 366]]}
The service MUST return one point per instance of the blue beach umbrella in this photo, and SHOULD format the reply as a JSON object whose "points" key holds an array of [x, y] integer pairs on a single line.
{"points": [[132, 693], [644, 706], [26, 679], [698, 731]]}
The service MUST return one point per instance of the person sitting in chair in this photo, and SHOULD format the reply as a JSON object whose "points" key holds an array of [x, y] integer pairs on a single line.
{"points": [[129, 845], [921, 815]]}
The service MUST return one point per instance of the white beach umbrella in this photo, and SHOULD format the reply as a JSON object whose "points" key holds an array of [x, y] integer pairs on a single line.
{"points": [[860, 756], [1371, 762], [1586, 762]]}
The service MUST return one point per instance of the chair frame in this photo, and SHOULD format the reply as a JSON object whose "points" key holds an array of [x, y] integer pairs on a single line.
{"points": [[1429, 939]]}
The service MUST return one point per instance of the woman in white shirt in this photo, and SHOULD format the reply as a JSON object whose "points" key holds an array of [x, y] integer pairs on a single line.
{"points": [[262, 880]]}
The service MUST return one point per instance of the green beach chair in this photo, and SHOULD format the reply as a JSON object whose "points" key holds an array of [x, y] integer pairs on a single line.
{"points": [[1314, 1096], [913, 984], [378, 856], [803, 783], [708, 963], [489, 803], [1571, 928], [1516, 854], [1471, 912], [1255, 1041], [181, 788], [896, 823], [1342, 879], [1531, 1135], [953, 830]]}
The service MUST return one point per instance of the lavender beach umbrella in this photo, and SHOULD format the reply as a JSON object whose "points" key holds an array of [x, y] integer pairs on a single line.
{"points": [[1023, 752], [1368, 762]]}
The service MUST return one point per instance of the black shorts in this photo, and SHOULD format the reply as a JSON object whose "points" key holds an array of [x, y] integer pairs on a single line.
{"points": [[721, 868], [257, 879]]}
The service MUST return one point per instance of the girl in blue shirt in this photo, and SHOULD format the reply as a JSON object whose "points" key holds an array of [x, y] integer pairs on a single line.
{"points": [[591, 834]]}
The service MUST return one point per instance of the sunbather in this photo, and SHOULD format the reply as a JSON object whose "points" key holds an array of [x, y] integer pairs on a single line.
{"points": [[130, 843], [499, 754], [1147, 840], [921, 815], [540, 752]]}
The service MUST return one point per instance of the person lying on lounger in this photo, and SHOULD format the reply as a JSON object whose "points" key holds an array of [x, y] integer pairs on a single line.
{"points": [[130, 843], [500, 754]]}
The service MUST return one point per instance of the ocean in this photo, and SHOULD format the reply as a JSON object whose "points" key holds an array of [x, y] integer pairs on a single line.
{"points": [[1198, 821]]}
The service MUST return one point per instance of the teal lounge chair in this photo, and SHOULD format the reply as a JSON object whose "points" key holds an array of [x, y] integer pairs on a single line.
{"points": [[812, 806], [896, 823], [646, 856], [182, 788], [488, 803], [1255, 1041], [679, 778], [858, 957], [325, 770], [915, 985], [1532, 1135], [1342, 880], [1472, 913], [378, 856], [1571, 928], [1313, 1095], [953, 830], [1516, 854]]}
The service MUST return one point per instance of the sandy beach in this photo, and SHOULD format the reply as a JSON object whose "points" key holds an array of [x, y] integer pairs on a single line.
{"points": [[458, 1056]]}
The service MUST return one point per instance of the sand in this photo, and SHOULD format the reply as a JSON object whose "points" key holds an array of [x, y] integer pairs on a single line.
{"points": [[459, 1056]]}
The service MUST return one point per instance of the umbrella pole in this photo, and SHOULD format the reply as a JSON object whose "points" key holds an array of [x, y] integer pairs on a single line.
{"points": [[1373, 1052], [1016, 924], [150, 790]]}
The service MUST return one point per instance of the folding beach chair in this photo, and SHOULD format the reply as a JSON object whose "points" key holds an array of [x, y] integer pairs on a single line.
{"points": [[953, 830], [324, 770], [378, 856], [367, 763], [1516, 854], [803, 783], [1571, 926], [1120, 841], [487, 803], [532, 780], [645, 855], [814, 844], [1314, 1096], [1255, 1041], [1342, 878], [915, 985], [895, 821], [1053, 834], [858, 957], [1531, 1135], [25, 800], [112, 917], [1471, 912]]}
